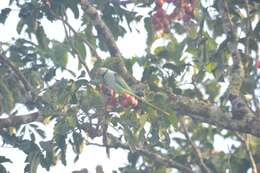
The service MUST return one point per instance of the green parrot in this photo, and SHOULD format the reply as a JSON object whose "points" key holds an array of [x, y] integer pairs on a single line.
{"points": [[115, 82]]}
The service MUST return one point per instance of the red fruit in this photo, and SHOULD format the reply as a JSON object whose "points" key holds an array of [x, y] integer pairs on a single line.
{"points": [[125, 102], [159, 2], [133, 101], [257, 64], [126, 95], [160, 20], [160, 12]]}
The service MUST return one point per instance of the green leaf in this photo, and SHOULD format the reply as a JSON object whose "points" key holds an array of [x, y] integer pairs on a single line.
{"points": [[34, 159], [211, 44], [212, 88], [173, 119], [249, 85], [6, 98], [210, 67], [80, 48], [130, 139], [178, 28], [4, 159], [150, 34], [132, 158], [49, 74], [91, 99], [155, 136], [59, 54], [71, 121], [4, 14], [192, 29], [20, 26], [61, 129], [2, 169], [89, 36], [239, 164], [73, 5], [178, 52], [41, 37]]}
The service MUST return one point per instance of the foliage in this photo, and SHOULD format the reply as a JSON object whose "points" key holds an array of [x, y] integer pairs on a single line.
{"points": [[194, 71]]}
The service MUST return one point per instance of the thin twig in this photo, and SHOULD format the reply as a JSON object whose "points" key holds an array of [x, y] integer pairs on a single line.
{"points": [[93, 49], [244, 140], [119, 2], [65, 22], [196, 150]]}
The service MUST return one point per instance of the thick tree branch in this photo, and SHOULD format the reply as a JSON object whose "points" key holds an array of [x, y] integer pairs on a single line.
{"points": [[198, 110], [109, 40], [18, 120], [211, 114], [237, 74]]}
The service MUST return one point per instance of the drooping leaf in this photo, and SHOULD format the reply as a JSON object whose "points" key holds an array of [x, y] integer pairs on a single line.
{"points": [[4, 14], [59, 54], [5, 159], [41, 37]]}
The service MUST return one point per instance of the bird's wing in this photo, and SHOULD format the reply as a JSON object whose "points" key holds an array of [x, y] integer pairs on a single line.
{"points": [[122, 83]]}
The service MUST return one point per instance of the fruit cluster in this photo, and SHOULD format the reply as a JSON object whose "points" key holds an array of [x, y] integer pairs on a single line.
{"points": [[128, 100], [125, 100], [184, 10]]}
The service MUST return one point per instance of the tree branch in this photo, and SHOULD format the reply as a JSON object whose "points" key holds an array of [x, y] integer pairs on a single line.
{"points": [[65, 23], [211, 114], [244, 140], [17, 120], [237, 74], [5, 61], [198, 110], [93, 49], [196, 150], [109, 40], [158, 158]]}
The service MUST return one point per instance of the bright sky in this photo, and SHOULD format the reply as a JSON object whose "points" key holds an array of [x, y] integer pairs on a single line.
{"points": [[132, 44]]}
